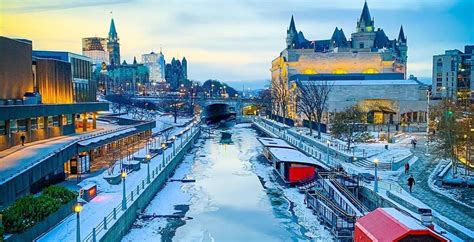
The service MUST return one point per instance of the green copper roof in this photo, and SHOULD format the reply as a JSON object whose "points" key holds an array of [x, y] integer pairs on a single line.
{"points": [[365, 16], [112, 30]]}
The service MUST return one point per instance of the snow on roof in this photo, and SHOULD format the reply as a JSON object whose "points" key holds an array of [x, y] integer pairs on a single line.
{"points": [[291, 155], [107, 136], [272, 142], [406, 220], [375, 224]]}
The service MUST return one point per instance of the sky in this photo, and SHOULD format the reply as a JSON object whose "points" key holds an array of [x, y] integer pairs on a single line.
{"points": [[234, 41]]}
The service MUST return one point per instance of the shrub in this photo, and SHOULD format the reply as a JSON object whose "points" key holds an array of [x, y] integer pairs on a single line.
{"points": [[1, 232], [62, 194], [27, 211]]}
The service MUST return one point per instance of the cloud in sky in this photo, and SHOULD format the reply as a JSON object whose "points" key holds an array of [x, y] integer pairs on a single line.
{"points": [[234, 40]]}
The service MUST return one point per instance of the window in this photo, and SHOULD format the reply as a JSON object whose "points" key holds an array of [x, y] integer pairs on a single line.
{"points": [[40, 122], [13, 126], [21, 125], [50, 121], [56, 121], [361, 45], [34, 123], [2, 127]]}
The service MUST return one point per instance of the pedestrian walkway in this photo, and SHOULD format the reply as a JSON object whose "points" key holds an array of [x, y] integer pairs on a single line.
{"points": [[447, 207]]}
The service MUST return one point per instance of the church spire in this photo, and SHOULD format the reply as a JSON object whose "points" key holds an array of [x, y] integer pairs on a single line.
{"points": [[135, 60], [112, 30], [401, 36], [292, 25], [365, 23]]}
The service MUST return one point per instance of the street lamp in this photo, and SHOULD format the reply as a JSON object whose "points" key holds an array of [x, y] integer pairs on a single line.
{"points": [[328, 143], [174, 146], [376, 182], [148, 158], [163, 147], [301, 135], [124, 197], [77, 209]]}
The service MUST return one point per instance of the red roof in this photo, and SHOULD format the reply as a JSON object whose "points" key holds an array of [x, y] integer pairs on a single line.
{"points": [[388, 224]]}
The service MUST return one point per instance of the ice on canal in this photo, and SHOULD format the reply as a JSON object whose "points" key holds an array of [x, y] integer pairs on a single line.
{"points": [[235, 197]]}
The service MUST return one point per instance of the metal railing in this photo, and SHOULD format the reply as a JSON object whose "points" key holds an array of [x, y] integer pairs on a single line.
{"points": [[135, 193]]}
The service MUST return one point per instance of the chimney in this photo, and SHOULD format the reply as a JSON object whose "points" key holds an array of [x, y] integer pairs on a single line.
{"points": [[426, 217]]}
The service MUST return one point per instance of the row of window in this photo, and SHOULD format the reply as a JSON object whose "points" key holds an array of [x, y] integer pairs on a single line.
{"points": [[20, 125]]}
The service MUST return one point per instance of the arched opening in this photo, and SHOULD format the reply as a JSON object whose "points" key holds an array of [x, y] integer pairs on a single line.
{"points": [[251, 110], [217, 112]]}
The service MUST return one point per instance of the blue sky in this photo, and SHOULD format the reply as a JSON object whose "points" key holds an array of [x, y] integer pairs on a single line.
{"points": [[235, 41]]}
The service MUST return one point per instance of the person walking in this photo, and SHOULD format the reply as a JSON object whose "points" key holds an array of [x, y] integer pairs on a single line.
{"points": [[407, 168], [411, 182], [22, 138], [414, 143]]}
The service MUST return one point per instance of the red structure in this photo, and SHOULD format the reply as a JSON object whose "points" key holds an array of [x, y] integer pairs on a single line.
{"points": [[389, 224], [292, 165]]}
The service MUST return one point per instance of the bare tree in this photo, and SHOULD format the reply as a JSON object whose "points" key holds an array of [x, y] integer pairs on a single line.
{"points": [[312, 100], [453, 138], [280, 97], [306, 103], [166, 130], [348, 125]]}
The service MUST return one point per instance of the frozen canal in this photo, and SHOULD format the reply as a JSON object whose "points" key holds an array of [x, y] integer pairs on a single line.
{"points": [[234, 198]]}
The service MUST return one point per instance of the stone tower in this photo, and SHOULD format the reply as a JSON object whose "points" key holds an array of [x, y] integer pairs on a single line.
{"points": [[402, 45], [184, 67], [292, 35], [113, 46]]}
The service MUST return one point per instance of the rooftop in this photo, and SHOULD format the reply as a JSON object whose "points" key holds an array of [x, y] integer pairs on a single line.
{"points": [[291, 155], [272, 142]]}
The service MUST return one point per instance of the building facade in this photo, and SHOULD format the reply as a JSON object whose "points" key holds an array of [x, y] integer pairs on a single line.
{"points": [[369, 69], [113, 45], [155, 62], [84, 88], [176, 73], [96, 49], [15, 67], [453, 74]]}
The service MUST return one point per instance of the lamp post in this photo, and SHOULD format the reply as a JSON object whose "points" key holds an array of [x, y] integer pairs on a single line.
{"points": [[163, 147], [148, 159], [327, 150], [124, 197], [77, 209], [376, 182], [427, 119], [174, 146], [301, 135]]}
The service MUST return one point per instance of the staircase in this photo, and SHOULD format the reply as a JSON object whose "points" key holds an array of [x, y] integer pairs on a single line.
{"points": [[364, 163]]}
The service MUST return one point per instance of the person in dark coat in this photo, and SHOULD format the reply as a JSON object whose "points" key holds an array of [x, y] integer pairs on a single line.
{"points": [[411, 182], [22, 138], [407, 168]]}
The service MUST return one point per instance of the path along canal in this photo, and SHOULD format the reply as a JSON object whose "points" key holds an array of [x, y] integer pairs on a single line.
{"points": [[235, 197]]}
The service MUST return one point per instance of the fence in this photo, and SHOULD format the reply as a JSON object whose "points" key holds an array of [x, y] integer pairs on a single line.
{"points": [[117, 211]]}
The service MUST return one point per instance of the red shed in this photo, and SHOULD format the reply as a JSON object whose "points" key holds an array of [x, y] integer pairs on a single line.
{"points": [[389, 224], [292, 165]]}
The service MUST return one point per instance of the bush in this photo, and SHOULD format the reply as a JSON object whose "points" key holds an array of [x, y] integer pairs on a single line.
{"points": [[62, 194], [1, 232], [27, 211]]}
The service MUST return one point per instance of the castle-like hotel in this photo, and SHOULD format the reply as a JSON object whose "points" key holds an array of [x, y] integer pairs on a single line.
{"points": [[368, 69]]}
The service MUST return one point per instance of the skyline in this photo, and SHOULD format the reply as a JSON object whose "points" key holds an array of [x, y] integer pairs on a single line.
{"points": [[250, 36]]}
